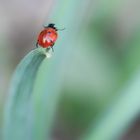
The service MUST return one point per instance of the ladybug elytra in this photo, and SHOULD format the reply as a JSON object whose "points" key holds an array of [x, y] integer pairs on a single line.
{"points": [[48, 36]]}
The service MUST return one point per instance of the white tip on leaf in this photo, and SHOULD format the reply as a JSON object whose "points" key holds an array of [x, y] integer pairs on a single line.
{"points": [[49, 53]]}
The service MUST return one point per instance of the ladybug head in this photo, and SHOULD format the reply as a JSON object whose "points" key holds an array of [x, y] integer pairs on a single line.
{"points": [[52, 25]]}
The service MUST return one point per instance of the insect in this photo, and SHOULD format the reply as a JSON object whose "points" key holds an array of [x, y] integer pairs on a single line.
{"points": [[48, 36]]}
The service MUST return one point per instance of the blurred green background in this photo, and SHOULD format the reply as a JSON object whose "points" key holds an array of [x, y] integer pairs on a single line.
{"points": [[99, 55]]}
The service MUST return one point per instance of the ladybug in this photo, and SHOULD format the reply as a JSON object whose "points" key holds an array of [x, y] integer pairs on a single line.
{"points": [[48, 36]]}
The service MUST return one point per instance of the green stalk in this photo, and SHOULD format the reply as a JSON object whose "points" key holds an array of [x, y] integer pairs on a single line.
{"points": [[19, 114], [119, 115]]}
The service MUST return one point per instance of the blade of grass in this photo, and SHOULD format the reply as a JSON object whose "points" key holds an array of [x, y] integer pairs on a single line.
{"points": [[115, 120], [19, 112]]}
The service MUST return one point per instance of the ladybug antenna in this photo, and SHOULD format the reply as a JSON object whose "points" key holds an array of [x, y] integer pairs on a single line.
{"points": [[52, 25], [61, 29]]}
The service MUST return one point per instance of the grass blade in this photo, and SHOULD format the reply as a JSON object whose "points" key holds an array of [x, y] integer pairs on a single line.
{"points": [[19, 111], [117, 118]]}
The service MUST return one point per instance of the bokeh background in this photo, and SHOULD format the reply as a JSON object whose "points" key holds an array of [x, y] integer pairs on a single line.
{"points": [[106, 36]]}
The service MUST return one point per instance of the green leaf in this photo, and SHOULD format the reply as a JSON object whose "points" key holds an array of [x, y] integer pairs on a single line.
{"points": [[19, 111], [120, 114]]}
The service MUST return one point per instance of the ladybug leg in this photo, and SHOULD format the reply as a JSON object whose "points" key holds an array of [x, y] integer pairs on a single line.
{"points": [[52, 46], [52, 49], [36, 45]]}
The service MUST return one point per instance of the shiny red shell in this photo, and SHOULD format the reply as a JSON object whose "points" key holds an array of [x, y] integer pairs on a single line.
{"points": [[47, 37]]}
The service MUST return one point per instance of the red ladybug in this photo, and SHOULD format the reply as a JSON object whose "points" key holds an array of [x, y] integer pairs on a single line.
{"points": [[48, 36]]}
